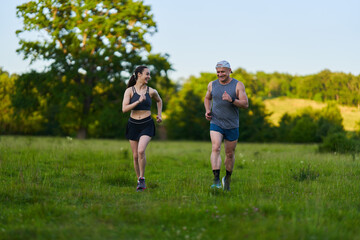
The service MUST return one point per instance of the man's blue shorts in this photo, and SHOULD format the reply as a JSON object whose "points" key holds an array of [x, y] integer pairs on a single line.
{"points": [[229, 134]]}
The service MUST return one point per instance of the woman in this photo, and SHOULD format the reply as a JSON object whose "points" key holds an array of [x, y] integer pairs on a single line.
{"points": [[140, 128]]}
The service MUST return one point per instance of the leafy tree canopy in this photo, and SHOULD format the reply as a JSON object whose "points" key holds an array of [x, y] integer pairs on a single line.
{"points": [[92, 47]]}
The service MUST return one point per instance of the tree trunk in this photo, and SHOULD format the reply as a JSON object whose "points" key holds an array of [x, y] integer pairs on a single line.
{"points": [[82, 132], [162, 132]]}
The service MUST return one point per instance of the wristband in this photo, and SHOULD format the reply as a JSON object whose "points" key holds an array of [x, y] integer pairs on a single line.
{"points": [[233, 100]]}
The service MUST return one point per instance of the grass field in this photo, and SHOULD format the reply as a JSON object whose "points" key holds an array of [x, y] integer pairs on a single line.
{"points": [[282, 105], [59, 188]]}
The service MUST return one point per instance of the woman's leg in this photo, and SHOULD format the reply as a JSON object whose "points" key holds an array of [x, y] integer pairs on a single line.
{"points": [[134, 149], [143, 142]]}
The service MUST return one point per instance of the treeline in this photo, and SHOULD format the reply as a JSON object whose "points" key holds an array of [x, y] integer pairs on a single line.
{"points": [[46, 103], [185, 114], [31, 105], [344, 88]]}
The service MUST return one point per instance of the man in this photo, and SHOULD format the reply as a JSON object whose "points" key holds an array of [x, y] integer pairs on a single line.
{"points": [[223, 99]]}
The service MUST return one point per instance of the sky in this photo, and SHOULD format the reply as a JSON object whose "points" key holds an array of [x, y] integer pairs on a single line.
{"points": [[287, 36]]}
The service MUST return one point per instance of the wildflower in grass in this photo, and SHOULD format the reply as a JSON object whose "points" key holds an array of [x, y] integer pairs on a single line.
{"points": [[69, 139], [305, 173]]}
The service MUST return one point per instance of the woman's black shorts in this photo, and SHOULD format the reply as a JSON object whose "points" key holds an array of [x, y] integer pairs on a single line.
{"points": [[137, 128]]}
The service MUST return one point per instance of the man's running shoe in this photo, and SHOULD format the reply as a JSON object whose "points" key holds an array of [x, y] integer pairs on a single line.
{"points": [[226, 183], [141, 184], [216, 184]]}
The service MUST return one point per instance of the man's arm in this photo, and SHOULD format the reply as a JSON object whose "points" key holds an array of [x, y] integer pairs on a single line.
{"points": [[242, 100], [207, 102]]}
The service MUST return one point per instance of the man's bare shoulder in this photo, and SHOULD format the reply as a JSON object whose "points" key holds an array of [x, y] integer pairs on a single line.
{"points": [[240, 84]]}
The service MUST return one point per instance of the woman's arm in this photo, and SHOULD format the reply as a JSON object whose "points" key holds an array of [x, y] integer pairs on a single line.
{"points": [[126, 106], [155, 95]]}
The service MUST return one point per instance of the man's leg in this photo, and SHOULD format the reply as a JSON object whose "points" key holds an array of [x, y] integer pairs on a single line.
{"points": [[229, 162], [230, 154], [216, 139]]}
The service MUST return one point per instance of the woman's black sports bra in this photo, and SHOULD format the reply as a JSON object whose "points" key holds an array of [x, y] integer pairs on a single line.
{"points": [[144, 105]]}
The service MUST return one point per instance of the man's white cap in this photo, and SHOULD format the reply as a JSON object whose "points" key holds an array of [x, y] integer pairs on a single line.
{"points": [[224, 64]]}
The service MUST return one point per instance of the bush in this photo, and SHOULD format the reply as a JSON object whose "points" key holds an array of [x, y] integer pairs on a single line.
{"points": [[309, 125], [339, 142], [304, 130]]}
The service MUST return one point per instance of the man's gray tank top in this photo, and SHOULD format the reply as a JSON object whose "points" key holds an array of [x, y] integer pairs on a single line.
{"points": [[224, 114]]}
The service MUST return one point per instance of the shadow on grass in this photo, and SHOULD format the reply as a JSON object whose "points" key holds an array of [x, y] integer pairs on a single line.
{"points": [[25, 195], [217, 192], [125, 179], [152, 185], [120, 180]]}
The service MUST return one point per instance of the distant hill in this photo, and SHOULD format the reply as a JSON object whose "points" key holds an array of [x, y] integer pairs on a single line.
{"points": [[281, 105]]}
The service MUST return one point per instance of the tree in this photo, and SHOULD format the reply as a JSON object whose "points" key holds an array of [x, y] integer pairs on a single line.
{"points": [[304, 130], [6, 110], [13, 121], [254, 125], [186, 110], [92, 47]]}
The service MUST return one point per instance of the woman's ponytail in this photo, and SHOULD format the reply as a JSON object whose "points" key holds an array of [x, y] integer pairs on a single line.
{"points": [[134, 76], [132, 81]]}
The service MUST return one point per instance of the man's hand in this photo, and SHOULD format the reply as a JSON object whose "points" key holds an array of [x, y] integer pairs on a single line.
{"points": [[208, 116], [226, 97]]}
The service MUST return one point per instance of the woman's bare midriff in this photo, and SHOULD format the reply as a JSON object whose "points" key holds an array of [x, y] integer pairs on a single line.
{"points": [[140, 114]]}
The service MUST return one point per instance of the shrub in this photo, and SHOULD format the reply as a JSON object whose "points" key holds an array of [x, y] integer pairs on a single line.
{"points": [[339, 142], [304, 130]]}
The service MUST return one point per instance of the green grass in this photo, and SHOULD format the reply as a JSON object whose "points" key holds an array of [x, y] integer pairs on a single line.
{"points": [[56, 188], [280, 106]]}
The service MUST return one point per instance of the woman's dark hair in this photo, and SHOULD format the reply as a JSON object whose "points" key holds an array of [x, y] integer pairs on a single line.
{"points": [[134, 76]]}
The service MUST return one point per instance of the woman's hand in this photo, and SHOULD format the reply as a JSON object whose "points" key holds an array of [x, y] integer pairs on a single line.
{"points": [[142, 98]]}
